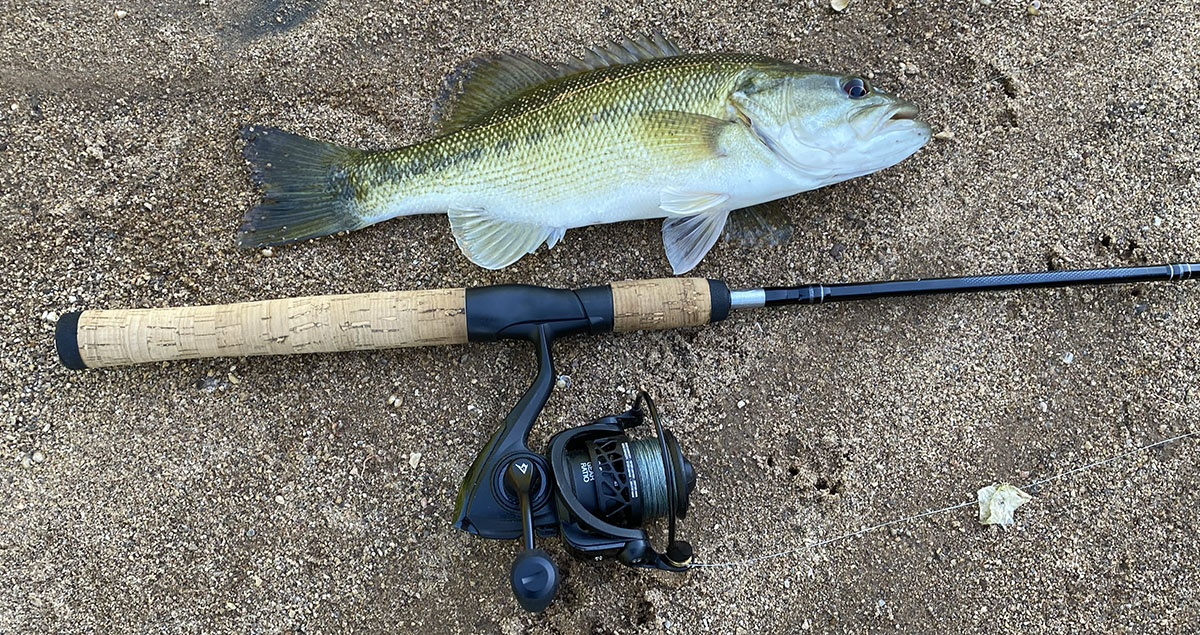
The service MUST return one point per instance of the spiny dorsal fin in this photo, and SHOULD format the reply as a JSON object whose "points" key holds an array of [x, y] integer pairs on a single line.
{"points": [[626, 51], [481, 85]]}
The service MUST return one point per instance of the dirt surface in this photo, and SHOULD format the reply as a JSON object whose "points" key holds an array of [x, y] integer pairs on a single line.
{"points": [[269, 495]]}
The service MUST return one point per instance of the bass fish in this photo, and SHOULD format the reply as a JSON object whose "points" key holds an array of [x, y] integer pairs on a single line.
{"points": [[634, 130]]}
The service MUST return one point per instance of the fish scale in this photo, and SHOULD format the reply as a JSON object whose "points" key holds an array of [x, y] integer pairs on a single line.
{"points": [[633, 131]]}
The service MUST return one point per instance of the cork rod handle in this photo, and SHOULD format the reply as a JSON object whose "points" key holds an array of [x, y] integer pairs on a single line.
{"points": [[663, 303], [314, 324]]}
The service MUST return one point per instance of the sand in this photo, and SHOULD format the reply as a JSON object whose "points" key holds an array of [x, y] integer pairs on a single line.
{"points": [[285, 495]]}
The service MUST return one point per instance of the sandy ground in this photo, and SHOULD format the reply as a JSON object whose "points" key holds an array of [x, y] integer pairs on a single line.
{"points": [[269, 495]]}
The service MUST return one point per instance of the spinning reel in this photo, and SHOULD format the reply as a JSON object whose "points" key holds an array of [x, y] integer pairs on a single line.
{"points": [[595, 486]]}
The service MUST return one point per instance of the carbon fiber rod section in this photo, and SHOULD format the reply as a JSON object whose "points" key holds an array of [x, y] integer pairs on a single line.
{"points": [[818, 293]]}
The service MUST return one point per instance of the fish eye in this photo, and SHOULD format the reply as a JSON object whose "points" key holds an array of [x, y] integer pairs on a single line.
{"points": [[856, 88]]}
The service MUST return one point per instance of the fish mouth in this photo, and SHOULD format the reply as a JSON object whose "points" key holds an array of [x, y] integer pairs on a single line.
{"points": [[904, 112], [882, 118]]}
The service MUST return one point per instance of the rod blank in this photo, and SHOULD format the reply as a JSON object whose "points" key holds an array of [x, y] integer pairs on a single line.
{"points": [[819, 293]]}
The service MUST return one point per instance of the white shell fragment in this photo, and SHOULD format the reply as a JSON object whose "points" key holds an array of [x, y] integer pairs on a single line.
{"points": [[997, 502], [839, 5]]}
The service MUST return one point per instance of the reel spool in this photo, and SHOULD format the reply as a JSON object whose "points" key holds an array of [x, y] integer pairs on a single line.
{"points": [[609, 486]]}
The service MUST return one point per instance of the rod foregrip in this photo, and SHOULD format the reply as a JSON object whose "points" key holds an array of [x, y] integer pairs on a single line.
{"points": [[667, 303], [316, 324]]}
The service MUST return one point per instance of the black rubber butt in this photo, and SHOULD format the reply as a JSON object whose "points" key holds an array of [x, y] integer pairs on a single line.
{"points": [[66, 341], [534, 580]]}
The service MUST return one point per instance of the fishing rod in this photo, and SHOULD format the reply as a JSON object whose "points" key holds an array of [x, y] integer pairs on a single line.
{"points": [[595, 485]]}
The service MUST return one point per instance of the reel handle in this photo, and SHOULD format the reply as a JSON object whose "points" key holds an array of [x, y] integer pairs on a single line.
{"points": [[534, 577]]}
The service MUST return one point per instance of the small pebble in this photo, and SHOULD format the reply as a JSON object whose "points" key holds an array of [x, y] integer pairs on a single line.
{"points": [[839, 5], [39, 457], [944, 135], [1068, 357], [279, 499], [267, 252], [14, 106], [120, 13], [741, 403], [414, 459]]}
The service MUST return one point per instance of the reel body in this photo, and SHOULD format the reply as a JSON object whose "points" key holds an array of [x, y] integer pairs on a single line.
{"points": [[595, 486]]}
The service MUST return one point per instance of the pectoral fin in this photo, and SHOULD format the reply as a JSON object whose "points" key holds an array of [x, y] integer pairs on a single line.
{"points": [[492, 243], [684, 136], [763, 224], [687, 238]]}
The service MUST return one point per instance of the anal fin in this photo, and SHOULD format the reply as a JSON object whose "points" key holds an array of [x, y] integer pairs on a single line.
{"points": [[494, 243]]}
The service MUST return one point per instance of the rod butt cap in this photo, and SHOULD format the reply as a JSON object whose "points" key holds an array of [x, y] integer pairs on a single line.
{"points": [[66, 341]]}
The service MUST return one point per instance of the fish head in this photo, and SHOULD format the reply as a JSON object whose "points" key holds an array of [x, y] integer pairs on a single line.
{"points": [[827, 127]]}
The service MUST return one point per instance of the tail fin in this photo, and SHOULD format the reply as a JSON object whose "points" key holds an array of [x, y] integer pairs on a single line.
{"points": [[306, 188]]}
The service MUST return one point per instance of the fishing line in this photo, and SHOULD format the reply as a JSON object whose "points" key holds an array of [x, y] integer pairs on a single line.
{"points": [[932, 512]]}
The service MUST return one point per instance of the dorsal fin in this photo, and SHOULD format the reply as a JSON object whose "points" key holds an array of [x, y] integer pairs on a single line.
{"points": [[480, 85], [627, 51]]}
